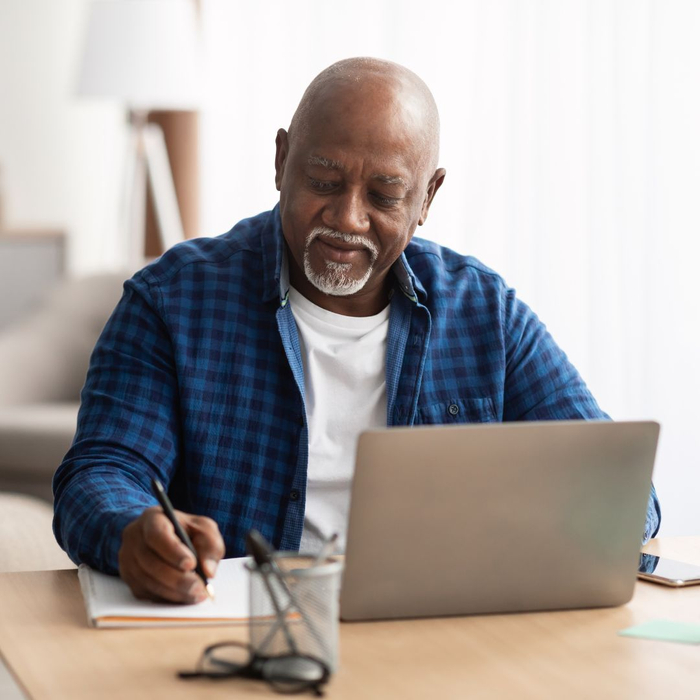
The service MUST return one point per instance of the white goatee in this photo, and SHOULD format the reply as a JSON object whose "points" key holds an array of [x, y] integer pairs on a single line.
{"points": [[336, 279]]}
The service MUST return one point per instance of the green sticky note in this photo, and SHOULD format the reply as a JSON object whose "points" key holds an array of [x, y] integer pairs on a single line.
{"points": [[665, 631]]}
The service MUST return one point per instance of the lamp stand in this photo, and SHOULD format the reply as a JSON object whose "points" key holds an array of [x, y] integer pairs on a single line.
{"points": [[147, 161]]}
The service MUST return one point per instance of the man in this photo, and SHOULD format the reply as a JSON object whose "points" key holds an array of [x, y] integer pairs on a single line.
{"points": [[241, 369]]}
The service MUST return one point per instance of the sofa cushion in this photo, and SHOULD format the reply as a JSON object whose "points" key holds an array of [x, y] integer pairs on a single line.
{"points": [[35, 438], [45, 356]]}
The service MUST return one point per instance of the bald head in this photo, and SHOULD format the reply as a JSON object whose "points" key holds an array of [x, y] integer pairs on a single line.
{"points": [[375, 85], [356, 173]]}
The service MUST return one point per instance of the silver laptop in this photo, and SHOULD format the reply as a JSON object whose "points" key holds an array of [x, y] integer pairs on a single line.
{"points": [[455, 520]]}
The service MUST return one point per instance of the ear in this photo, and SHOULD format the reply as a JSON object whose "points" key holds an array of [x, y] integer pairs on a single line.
{"points": [[281, 152], [433, 186]]}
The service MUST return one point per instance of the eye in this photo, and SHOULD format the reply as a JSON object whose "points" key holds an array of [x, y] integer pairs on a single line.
{"points": [[322, 185], [386, 202]]}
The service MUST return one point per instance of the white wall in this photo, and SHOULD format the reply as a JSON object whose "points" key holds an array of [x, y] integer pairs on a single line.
{"points": [[60, 156]]}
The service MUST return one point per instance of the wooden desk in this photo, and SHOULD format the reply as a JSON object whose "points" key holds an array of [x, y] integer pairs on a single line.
{"points": [[46, 643]]}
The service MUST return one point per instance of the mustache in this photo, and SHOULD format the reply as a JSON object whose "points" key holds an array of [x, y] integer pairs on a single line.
{"points": [[350, 238]]}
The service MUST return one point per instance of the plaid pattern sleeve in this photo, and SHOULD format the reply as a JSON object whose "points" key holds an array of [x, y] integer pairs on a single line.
{"points": [[540, 382], [127, 433]]}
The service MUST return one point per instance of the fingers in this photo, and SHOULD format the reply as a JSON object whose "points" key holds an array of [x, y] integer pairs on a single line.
{"points": [[173, 584], [160, 537], [158, 566], [186, 588], [207, 540]]}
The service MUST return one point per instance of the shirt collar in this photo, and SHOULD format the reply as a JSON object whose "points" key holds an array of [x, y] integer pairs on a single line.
{"points": [[274, 255], [406, 279], [276, 265]]}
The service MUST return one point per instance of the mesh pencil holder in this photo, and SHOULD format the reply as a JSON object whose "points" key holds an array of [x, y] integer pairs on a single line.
{"points": [[294, 607]]}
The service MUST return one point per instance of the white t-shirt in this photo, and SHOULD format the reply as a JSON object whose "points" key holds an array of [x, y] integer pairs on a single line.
{"points": [[344, 360]]}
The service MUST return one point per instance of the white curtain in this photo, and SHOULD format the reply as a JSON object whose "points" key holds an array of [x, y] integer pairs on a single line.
{"points": [[570, 134]]}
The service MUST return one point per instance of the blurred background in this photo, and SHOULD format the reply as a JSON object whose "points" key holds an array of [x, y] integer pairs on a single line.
{"points": [[569, 134]]}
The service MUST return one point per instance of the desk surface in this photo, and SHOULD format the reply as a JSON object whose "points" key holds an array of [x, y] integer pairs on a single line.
{"points": [[47, 645]]}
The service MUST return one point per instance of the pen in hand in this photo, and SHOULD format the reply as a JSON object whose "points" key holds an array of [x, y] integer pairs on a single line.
{"points": [[167, 506]]}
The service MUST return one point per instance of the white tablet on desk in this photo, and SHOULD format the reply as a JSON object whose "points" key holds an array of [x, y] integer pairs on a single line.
{"points": [[454, 520]]}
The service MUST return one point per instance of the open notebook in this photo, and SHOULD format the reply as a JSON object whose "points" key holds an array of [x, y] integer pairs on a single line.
{"points": [[110, 603]]}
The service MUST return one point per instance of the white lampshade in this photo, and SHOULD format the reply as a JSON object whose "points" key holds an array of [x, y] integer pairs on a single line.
{"points": [[144, 53]]}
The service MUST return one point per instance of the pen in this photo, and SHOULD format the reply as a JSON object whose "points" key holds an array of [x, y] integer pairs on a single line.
{"points": [[184, 537]]}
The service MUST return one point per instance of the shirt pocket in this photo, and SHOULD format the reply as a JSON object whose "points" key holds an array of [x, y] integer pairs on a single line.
{"points": [[478, 410]]}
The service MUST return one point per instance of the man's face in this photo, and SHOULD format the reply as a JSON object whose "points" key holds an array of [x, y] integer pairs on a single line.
{"points": [[353, 188]]}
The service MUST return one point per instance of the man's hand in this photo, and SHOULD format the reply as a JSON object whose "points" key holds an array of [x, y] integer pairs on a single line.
{"points": [[158, 566]]}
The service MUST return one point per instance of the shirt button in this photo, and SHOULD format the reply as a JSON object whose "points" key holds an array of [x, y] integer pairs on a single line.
{"points": [[453, 409], [294, 495]]}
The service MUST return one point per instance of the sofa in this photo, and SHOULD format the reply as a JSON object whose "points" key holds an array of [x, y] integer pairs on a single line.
{"points": [[43, 363]]}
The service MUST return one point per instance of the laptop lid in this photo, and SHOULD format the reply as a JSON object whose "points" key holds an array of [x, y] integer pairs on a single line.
{"points": [[453, 520]]}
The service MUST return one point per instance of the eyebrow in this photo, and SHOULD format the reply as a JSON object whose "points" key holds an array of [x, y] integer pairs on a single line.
{"points": [[391, 180], [325, 163]]}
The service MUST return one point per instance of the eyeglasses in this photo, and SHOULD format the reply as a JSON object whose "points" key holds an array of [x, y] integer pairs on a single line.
{"points": [[289, 673]]}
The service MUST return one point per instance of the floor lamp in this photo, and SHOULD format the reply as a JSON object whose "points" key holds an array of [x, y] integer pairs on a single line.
{"points": [[143, 53]]}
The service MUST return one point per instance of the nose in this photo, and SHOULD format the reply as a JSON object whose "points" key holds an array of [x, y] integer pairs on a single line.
{"points": [[346, 212]]}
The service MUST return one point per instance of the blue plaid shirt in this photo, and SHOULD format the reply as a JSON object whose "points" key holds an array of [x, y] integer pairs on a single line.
{"points": [[197, 379]]}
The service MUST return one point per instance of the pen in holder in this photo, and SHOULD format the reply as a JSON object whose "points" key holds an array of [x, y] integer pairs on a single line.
{"points": [[294, 605]]}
